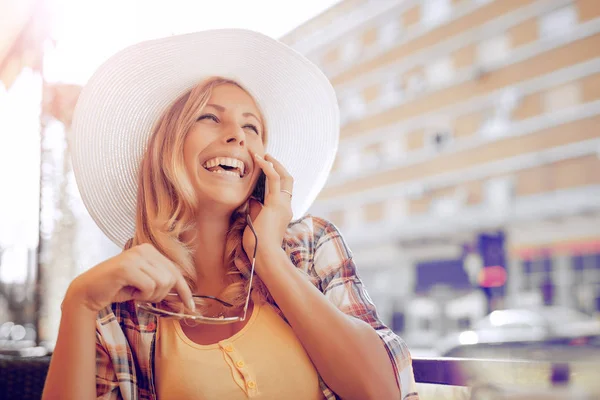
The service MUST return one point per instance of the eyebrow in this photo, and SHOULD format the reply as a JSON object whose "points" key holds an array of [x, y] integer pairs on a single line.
{"points": [[222, 109]]}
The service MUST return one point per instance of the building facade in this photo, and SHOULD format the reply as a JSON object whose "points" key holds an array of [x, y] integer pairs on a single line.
{"points": [[468, 172]]}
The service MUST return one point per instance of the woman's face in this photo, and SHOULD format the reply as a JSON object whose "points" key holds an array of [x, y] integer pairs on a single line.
{"points": [[219, 148]]}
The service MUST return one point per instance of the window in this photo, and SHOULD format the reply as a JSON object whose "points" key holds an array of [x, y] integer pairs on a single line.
{"points": [[439, 138], [391, 92], [395, 209], [415, 191], [587, 268], [500, 118], [353, 217], [447, 206], [425, 324], [415, 84], [495, 126], [558, 23], [352, 107], [493, 51], [562, 97], [434, 12], [586, 281], [507, 101], [388, 34], [538, 274], [393, 148], [499, 193], [442, 206], [370, 159], [440, 72], [350, 50], [350, 160]]}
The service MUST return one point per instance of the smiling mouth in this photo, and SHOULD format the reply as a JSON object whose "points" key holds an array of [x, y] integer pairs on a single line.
{"points": [[226, 166]]}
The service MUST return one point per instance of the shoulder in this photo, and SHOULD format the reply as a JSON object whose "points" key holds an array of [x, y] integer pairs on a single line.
{"points": [[310, 230], [312, 242]]}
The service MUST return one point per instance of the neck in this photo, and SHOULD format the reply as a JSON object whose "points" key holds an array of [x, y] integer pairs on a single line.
{"points": [[209, 250]]}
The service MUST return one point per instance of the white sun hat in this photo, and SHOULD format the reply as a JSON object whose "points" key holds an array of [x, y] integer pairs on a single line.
{"points": [[120, 104]]}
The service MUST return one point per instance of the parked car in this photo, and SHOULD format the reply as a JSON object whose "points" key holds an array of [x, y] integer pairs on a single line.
{"points": [[545, 333]]}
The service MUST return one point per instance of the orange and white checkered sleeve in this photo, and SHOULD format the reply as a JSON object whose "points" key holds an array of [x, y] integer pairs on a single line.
{"points": [[341, 284]]}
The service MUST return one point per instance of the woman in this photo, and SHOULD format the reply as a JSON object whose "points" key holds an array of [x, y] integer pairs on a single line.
{"points": [[218, 294]]}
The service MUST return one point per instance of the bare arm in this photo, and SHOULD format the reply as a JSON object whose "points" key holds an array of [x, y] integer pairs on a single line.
{"points": [[347, 352], [140, 273], [72, 372]]}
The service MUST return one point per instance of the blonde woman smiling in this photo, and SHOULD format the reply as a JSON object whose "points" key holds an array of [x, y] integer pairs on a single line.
{"points": [[200, 155]]}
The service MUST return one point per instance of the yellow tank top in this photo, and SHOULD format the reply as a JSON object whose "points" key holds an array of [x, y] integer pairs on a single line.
{"points": [[264, 360]]}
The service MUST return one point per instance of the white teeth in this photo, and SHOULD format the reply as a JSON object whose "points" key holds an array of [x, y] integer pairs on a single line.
{"points": [[222, 171], [227, 161]]}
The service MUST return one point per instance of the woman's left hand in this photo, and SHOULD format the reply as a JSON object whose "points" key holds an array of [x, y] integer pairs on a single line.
{"points": [[270, 220]]}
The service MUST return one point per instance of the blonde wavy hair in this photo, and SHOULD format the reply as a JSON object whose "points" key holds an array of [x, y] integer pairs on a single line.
{"points": [[166, 199]]}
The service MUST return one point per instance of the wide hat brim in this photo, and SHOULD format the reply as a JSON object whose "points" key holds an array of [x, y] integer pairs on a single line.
{"points": [[122, 101]]}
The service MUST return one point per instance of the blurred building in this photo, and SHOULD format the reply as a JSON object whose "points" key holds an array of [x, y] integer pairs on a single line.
{"points": [[25, 28], [468, 174], [46, 235]]}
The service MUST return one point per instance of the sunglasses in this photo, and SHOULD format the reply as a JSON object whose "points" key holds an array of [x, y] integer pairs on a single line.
{"points": [[199, 299]]}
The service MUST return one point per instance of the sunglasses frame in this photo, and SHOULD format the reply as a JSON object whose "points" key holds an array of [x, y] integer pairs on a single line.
{"points": [[151, 308]]}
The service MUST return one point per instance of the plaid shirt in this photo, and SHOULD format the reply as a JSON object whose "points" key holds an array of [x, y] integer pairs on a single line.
{"points": [[126, 336]]}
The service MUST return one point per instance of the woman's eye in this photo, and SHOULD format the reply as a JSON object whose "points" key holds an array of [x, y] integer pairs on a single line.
{"points": [[208, 116], [254, 128]]}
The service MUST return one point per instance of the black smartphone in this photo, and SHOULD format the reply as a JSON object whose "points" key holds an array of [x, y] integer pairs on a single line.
{"points": [[259, 189]]}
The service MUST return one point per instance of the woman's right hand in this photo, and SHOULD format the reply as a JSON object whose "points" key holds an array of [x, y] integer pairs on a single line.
{"points": [[139, 273]]}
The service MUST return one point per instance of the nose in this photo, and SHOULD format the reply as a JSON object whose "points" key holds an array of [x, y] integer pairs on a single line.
{"points": [[236, 135]]}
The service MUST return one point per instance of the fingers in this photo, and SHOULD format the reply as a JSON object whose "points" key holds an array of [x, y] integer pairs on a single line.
{"points": [[142, 284], [273, 178], [278, 178], [287, 181], [177, 280], [163, 279], [164, 273], [182, 288]]}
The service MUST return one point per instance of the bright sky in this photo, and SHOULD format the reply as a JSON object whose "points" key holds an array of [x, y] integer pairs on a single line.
{"points": [[91, 31]]}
